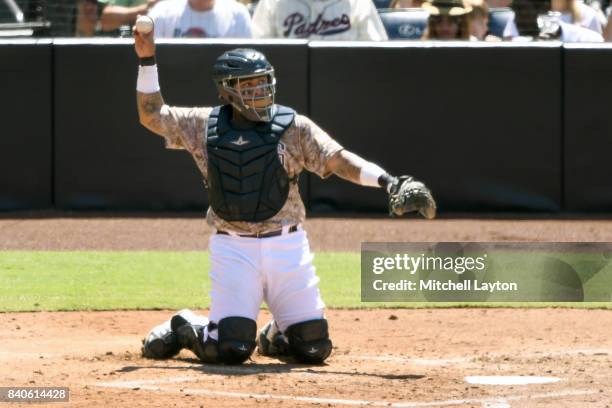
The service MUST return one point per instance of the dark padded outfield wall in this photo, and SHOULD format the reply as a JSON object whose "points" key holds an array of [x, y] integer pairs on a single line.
{"points": [[25, 146], [480, 124], [588, 127], [104, 158]]}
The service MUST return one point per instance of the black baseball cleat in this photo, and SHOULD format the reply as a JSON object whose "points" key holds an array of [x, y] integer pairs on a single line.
{"points": [[182, 318], [189, 331], [271, 342], [166, 341]]}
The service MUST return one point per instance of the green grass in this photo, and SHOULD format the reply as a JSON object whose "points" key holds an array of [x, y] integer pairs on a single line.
{"points": [[32, 280]]}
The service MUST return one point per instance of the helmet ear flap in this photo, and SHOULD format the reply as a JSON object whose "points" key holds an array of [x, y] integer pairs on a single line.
{"points": [[222, 93], [223, 87]]}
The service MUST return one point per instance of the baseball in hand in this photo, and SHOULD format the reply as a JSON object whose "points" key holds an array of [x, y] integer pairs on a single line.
{"points": [[144, 24]]}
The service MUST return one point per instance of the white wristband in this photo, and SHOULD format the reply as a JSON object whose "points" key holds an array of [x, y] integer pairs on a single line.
{"points": [[370, 173], [147, 79]]}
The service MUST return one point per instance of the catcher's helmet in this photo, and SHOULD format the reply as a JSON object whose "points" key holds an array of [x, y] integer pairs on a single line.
{"points": [[239, 64]]}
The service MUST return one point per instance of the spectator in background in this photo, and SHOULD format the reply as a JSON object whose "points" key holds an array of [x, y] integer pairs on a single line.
{"points": [[608, 30], [86, 23], [201, 19], [318, 20], [578, 13], [479, 20], [60, 13], [553, 28], [448, 20], [527, 12], [117, 13], [575, 33]]}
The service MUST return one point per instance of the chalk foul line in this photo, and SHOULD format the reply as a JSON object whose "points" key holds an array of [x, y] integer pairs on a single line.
{"points": [[149, 385]]}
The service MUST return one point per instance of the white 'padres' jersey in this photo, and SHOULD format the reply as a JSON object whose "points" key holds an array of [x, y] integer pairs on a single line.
{"points": [[318, 20]]}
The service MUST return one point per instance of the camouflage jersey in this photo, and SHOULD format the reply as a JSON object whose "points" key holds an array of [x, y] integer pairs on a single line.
{"points": [[303, 146]]}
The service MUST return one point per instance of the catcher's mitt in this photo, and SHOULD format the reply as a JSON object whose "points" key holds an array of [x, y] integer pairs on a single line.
{"points": [[409, 195]]}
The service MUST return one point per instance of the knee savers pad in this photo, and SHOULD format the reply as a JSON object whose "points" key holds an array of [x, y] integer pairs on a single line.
{"points": [[309, 341], [236, 340]]}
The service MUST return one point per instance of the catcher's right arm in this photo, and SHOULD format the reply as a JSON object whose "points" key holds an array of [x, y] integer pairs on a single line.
{"points": [[405, 193]]}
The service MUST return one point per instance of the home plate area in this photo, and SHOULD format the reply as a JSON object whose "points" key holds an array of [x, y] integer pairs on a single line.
{"points": [[351, 379], [494, 358]]}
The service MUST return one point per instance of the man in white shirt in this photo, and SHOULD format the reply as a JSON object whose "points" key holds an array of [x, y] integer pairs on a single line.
{"points": [[201, 19], [576, 33], [578, 13], [553, 28], [318, 20]]}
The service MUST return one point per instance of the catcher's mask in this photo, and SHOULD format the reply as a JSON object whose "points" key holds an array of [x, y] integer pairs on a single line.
{"points": [[255, 102]]}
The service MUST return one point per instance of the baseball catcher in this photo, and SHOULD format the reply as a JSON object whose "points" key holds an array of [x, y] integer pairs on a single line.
{"points": [[250, 152]]}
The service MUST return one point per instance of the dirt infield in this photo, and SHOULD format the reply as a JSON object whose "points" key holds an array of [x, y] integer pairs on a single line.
{"points": [[416, 358], [330, 234], [402, 358]]}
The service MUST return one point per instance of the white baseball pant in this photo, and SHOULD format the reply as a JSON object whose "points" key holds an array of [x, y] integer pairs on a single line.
{"points": [[277, 270]]}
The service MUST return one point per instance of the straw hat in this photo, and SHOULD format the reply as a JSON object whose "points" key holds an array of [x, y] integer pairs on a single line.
{"points": [[447, 7]]}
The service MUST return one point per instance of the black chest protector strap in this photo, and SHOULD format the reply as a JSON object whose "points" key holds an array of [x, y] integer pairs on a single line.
{"points": [[246, 178]]}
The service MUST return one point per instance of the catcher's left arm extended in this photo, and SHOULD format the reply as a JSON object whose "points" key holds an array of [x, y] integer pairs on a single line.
{"points": [[405, 193]]}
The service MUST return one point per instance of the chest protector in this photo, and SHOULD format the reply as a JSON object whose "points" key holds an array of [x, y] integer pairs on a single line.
{"points": [[246, 178]]}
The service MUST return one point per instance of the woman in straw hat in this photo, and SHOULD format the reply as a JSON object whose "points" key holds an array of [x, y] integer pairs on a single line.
{"points": [[448, 20]]}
